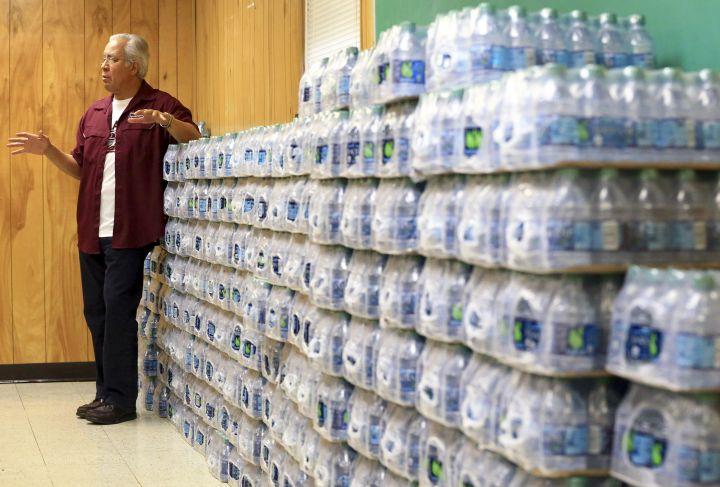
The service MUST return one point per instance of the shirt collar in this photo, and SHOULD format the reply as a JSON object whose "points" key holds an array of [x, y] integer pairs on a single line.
{"points": [[145, 93]]}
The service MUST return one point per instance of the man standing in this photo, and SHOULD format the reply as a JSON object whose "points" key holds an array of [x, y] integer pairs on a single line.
{"points": [[121, 142]]}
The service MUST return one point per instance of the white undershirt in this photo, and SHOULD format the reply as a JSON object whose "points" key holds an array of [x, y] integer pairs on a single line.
{"points": [[107, 193]]}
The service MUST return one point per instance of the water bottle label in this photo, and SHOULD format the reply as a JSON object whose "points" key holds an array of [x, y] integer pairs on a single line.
{"points": [[600, 439], [578, 340], [612, 59], [388, 148], [557, 56], [565, 235], [644, 60], [581, 58], [643, 344], [409, 71], [698, 351], [202, 206], [321, 413], [500, 58], [209, 371], [262, 210], [382, 73], [709, 135], [198, 400], [435, 465], [248, 204], [481, 58], [558, 130], [186, 429], [353, 153], [526, 334], [645, 450], [403, 151], [249, 349], [521, 57], [408, 379], [321, 154], [689, 235], [343, 89], [369, 152], [564, 440], [340, 418], [610, 133], [337, 349], [606, 235], [209, 411], [306, 91], [653, 235], [702, 467], [674, 133], [473, 140]]}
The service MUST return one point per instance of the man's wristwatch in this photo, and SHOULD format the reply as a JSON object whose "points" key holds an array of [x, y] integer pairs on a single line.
{"points": [[167, 126]]}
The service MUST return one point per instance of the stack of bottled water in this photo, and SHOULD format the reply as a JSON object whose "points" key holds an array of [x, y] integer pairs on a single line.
{"points": [[349, 298]]}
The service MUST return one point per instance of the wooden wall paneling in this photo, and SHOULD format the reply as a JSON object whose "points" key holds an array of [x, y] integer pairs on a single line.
{"points": [[98, 27], [144, 21], [6, 328], [296, 49], [167, 46], [186, 60], [278, 80], [121, 17], [201, 43], [63, 103], [245, 90], [262, 58], [367, 24], [214, 94], [27, 183]]}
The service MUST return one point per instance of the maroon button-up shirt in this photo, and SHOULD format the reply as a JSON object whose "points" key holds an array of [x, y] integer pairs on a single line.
{"points": [[139, 186]]}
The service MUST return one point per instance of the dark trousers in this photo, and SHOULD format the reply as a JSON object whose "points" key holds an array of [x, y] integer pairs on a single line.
{"points": [[112, 284]]}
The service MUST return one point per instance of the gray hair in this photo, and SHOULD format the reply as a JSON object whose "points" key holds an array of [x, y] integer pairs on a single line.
{"points": [[136, 51]]}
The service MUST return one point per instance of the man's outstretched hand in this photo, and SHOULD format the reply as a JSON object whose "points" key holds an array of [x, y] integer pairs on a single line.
{"points": [[27, 143], [148, 116]]}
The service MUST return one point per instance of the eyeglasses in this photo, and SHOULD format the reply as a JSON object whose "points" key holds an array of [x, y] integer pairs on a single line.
{"points": [[110, 60]]}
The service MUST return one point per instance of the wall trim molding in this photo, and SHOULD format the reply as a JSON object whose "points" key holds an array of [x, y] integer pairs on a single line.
{"points": [[50, 372]]}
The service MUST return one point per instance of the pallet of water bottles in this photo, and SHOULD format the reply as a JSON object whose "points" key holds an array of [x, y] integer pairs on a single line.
{"points": [[484, 386]]}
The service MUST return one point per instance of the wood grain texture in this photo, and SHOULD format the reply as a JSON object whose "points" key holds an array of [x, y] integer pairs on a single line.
{"points": [[248, 71], [6, 329], [367, 24], [27, 183], [186, 65], [98, 27], [144, 21], [167, 46], [63, 104], [121, 16]]}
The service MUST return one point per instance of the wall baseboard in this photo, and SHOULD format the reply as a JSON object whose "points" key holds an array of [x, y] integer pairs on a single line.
{"points": [[53, 372]]}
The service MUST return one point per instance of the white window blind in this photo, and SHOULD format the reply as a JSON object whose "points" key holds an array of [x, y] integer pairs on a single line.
{"points": [[330, 25]]}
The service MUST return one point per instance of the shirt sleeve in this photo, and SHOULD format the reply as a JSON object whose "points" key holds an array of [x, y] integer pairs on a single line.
{"points": [[180, 112], [79, 150]]}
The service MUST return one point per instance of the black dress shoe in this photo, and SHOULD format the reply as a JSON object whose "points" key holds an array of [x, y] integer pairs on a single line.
{"points": [[82, 410], [109, 413]]}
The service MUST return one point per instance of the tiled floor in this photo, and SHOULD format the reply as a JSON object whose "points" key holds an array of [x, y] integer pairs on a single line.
{"points": [[43, 443]]}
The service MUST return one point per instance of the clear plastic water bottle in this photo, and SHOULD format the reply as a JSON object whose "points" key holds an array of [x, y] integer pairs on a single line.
{"points": [[407, 62], [487, 54], [366, 423], [437, 455], [689, 232], [370, 144], [360, 352], [523, 233], [399, 452], [481, 385], [518, 40], [550, 40], [334, 465], [329, 277], [441, 302], [150, 361], [441, 206], [580, 40], [362, 291], [395, 219], [396, 136], [438, 133], [675, 132], [361, 78], [479, 317], [329, 165], [332, 409], [650, 233], [305, 96], [396, 373], [439, 391], [707, 130], [324, 337], [400, 291], [613, 48], [170, 163], [370, 473], [348, 61], [357, 213], [641, 44], [326, 211], [317, 81]]}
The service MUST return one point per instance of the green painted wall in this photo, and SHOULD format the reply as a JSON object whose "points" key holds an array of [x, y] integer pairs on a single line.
{"points": [[686, 32]]}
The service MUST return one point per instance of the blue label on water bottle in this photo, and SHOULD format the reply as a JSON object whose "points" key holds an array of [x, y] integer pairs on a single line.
{"points": [[556, 56], [248, 204], [645, 450], [709, 135], [408, 379], [644, 60], [353, 153], [209, 370], [388, 148], [292, 210], [569, 235], [321, 154], [521, 57], [674, 133], [369, 152], [481, 58], [565, 440], [654, 235], [558, 130], [403, 150], [409, 71], [610, 133], [343, 90], [307, 90], [698, 351], [434, 466], [698, 466], [321, 413], [613, 59], [581, 58], [643, 344], [526, 334], [262, 210], [500, 58], [340, 418]]}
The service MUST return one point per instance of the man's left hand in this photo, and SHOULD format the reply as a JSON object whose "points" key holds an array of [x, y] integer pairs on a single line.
{"points": [[149, 116]]}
